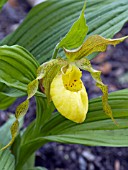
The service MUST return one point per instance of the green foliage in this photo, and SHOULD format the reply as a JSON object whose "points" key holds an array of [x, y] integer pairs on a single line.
{"points": [[7, 160], [29, 141], [5, 130], [37, 168], [39, 34], [30, 163], [41, 31], [75, 36], [5, 101], [98, 129], [2, 2], [17, 67]]}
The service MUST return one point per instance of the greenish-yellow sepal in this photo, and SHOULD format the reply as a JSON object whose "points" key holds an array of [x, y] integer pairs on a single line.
{"points": [[94, 43], [22, 109], [32, 88], [14, 130], [85, 64], [43, 69]]}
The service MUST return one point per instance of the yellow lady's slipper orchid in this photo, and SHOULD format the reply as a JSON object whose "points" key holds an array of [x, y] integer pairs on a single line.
{"points": [[69, 94], [62, 81]]}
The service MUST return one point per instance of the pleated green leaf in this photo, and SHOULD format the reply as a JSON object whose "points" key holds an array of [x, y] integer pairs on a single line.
{"points": [[12, 92], [8, 95], [97, 130], [7, 160], [5, 101], [48, 22], [17, 68]]}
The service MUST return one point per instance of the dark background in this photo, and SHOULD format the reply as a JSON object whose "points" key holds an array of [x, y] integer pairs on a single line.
{"points": [[114, 66]]}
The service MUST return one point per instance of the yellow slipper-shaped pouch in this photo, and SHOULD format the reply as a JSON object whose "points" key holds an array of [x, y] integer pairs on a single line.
{"points": [[69, 94]]}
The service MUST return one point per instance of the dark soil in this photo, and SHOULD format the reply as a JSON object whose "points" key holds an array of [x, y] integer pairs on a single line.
{"points": [[114, 66]]}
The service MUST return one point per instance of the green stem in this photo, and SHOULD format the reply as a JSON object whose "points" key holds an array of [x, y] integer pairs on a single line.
{"points": [[32, 139], [55, 52], [27, 150]]}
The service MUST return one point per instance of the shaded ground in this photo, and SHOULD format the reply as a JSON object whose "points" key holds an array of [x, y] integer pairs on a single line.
{"points": [[114, 66]]}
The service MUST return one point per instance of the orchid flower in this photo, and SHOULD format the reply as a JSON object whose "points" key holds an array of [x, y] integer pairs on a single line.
{"points": [[69, 94]]}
